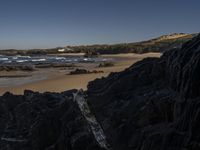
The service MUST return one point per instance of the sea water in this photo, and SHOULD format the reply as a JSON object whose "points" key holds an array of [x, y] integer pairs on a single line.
{"points": [[46, 59]]}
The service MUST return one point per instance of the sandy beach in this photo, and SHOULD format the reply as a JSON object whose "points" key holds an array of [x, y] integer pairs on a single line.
{"points": [[58, 79]]}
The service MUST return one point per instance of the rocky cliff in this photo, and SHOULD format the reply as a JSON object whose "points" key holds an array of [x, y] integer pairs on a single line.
{"points": [[153, 105]]}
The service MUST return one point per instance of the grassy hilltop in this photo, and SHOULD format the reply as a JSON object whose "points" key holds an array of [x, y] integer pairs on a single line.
{"points": [[159, 44]]}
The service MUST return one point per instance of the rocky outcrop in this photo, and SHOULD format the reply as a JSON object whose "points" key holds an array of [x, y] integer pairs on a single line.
{"points": [[16, 67], [84, 71], [153, 105], [48, 121]]}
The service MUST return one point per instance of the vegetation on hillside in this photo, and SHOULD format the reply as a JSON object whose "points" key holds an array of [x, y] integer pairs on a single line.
{"points": [[160, 44]]}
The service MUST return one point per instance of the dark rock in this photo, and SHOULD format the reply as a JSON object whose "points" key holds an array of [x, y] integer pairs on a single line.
{"points": [[154, 104], [48, 121], [79, 71], [16, 67], [84, 71]]}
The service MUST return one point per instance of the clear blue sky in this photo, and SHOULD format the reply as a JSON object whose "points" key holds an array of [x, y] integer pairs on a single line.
{"points": [[52, 23]]}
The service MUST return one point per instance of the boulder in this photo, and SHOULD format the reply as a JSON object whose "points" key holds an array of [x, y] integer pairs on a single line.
{"points": [[49, 121]]}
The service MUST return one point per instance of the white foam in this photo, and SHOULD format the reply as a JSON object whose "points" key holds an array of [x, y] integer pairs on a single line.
{"points": [[15, 57], [21, 61], [7, 62], [2, 59], [60, 58], [35, 60], [24, 56]]}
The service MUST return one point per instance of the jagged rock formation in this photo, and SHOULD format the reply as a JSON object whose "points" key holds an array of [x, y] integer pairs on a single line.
{"points": [[153, 105], [48, 121]]}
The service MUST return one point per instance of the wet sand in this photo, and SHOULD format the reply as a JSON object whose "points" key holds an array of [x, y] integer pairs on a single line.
{"points": [[58, 80]]}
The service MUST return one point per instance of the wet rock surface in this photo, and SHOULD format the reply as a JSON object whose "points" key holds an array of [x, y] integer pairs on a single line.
{"points": [[153, 105]]}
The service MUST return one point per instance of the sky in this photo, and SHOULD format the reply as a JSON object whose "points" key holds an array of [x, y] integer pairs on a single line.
{"points": [[26, 24]]}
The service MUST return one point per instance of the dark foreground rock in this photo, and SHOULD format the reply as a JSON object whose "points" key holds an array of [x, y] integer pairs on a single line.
{"points": [[153, 105], [48, 121]]}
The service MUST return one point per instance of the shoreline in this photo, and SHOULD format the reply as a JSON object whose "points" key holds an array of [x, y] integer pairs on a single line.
{"points": [[58, 79]]}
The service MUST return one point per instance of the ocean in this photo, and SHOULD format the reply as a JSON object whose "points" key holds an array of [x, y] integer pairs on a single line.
{"points": [[44, 59]]}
